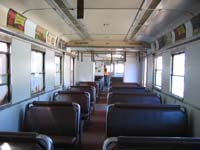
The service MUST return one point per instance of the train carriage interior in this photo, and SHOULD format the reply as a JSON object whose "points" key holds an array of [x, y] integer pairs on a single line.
{"points": [[99, 74]]}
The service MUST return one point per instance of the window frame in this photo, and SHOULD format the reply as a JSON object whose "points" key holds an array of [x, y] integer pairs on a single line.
{"points": [[171, 75], [61, 71], [43, 69], [145, 72], [158, 87], [8, 68], [72, 74]]}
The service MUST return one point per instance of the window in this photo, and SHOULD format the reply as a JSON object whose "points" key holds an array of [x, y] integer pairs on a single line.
{"points": [[4, 74], [145, 73], [119, 68], [71, 71], [158, 72], [58, 75], [37, 71], [177, 74]]}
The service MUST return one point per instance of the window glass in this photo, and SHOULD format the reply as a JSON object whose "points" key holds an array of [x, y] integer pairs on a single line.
{"points": [[3, 47], [71, 71], [119, 68], [37, 72], [177, 76], [4, 76], [3, 93], [178, 85], [178, 64], [158, 79], [145, 73], [158, 72], [3, 64], [36, 62], [58, 70]]}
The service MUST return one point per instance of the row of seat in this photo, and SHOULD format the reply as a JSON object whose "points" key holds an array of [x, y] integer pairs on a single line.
{"points": [[46, 126], [135, 114], [24, 141], [151, 143]]}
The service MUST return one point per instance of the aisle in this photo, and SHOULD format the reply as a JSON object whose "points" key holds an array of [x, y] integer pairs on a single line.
{"points": [[94, 136]]}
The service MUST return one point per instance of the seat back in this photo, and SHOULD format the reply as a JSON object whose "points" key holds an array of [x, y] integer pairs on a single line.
{"points": [[89, 89], [116, 79], [82, 98], [124, 84], [152, 143], [128, 90], [146, 120], [53, 118], [91, 83], [138, 98], [25, 141]]}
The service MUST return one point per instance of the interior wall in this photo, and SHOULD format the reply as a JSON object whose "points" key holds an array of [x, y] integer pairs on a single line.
{"points": [[85, 70], [131, 69], [20, 70], [11, 114], [192, 73]]}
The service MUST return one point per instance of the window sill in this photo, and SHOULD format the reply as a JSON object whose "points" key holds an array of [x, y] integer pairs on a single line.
{"points": [[4, 106], [176, 97], [37, 94], [57, 86], [157, 89]]}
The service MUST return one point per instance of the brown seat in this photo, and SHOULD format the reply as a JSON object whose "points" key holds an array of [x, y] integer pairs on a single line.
{"points": [[91, 83], [81, 98], [131, 98], [89, 89], [152, 143], [146, 120], [25, 141], [124, 84], [128, 90], [58, 120]]}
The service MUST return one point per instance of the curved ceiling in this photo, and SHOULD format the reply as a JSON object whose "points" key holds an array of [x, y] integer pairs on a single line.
{"points": [[112, 20]]}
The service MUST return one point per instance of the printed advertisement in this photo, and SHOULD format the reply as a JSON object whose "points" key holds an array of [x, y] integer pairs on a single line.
{"points": [[51, 39], [196, 25], [180, 32], [40, 33], [15, 20]]}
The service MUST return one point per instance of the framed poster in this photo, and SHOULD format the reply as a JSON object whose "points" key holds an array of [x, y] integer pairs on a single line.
{"points": [[196, 25], [161, 42], [40, 33], [168, 39], [61, 44], [180, 32], [15, 20], [51, 39]]}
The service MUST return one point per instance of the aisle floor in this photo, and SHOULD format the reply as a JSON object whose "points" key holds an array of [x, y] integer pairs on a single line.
{"points": [[94, 136]]}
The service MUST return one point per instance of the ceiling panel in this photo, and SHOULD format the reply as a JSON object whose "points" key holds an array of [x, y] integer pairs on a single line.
{"points": [[108, 21], [107, 3]]}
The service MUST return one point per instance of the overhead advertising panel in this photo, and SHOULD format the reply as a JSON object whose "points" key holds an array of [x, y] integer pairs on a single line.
{"points": [[40, 33], [196, 25], [180, 32], [15, 20]]}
